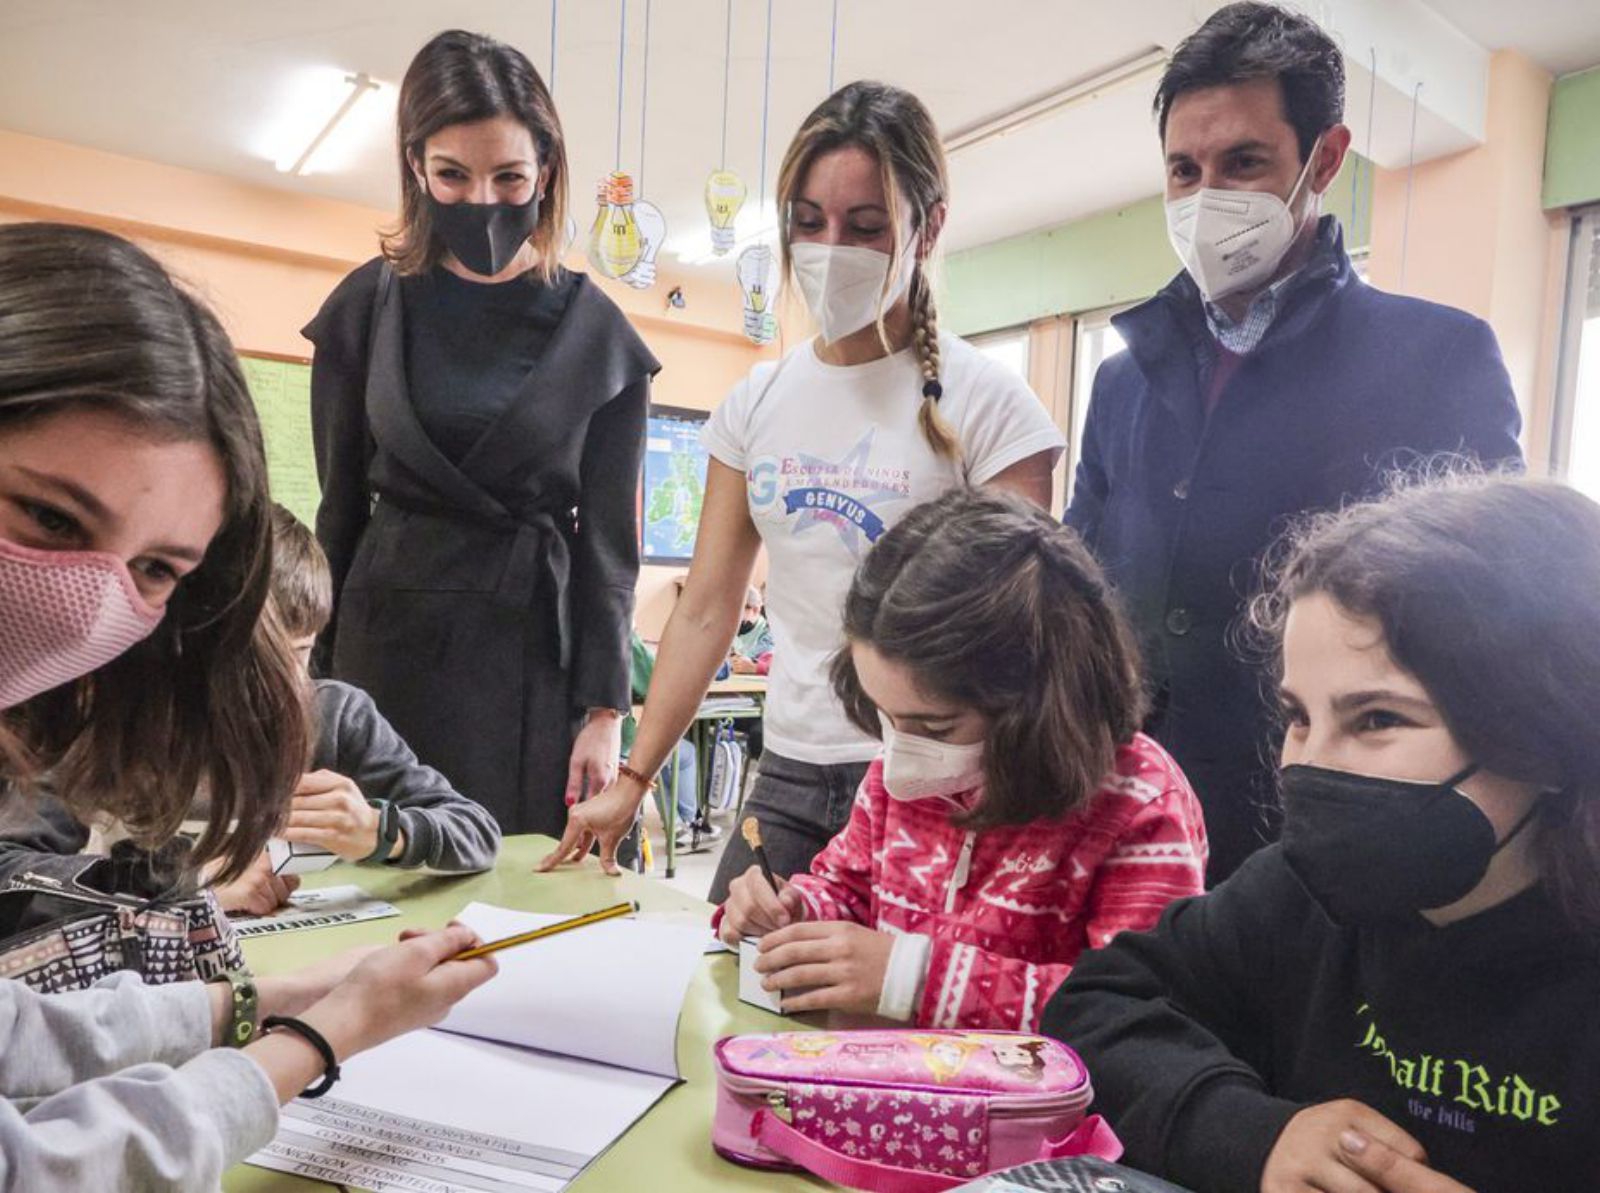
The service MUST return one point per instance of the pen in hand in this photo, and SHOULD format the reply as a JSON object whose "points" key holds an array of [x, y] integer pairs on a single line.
{"points": [[751, 829]]}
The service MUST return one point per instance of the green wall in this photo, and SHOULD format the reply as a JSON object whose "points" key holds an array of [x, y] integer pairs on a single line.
{"points": [[1104, 260], [1572, 142]]}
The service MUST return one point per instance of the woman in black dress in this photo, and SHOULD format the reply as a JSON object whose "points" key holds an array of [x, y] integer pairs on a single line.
{"points": [[479, 417]]}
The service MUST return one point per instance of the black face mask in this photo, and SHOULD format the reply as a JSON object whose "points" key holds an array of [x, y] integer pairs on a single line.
{"points": [[747, 625], [485, 237], [1370, 850]]}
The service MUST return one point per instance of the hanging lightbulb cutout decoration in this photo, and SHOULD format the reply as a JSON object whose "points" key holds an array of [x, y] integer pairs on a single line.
{"points": [[757, 269], [614, 243], [725, 192], [652, 234], [602, 200]]}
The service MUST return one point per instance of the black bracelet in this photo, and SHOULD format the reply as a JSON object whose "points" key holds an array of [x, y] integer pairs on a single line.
{"points": [[315, 1038]]}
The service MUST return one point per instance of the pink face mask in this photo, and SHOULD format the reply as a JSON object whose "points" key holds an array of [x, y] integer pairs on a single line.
{"points": [[64, 614]]}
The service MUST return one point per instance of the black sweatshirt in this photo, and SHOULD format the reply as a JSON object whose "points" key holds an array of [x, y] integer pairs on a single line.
{"points": [[1481, 1039]]}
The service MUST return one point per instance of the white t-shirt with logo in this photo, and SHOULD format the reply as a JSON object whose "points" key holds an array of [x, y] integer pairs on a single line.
{"points": [[832, 458]]}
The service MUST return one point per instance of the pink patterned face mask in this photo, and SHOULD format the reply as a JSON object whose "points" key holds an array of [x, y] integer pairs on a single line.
{"points": [[64, 614]]}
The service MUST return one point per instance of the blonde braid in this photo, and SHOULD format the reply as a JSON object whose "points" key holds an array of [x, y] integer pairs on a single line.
{"points": [[941, 436]]}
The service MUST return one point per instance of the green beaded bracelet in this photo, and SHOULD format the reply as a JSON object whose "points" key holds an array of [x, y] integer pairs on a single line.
{"points": [[244, 1020]]}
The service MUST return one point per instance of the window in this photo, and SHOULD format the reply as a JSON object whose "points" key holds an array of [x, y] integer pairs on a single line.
{"points": [[1577, 432], [1009, 347], [1096, 340]]}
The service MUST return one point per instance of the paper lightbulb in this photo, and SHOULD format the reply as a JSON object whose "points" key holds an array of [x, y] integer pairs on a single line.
{"points": [[757, 270], [614, 246], [652, 233], [725, 193]]}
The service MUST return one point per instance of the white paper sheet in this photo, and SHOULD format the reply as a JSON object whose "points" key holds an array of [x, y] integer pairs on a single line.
{"points": [[610, 993], [433, 1112], [327, 907]]}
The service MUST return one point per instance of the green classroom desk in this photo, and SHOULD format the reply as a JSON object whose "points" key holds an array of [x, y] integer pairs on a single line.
{"points": [[667, 1150]]}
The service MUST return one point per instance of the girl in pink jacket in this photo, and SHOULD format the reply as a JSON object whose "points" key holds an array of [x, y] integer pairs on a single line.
{"points": [[1016, 816]]}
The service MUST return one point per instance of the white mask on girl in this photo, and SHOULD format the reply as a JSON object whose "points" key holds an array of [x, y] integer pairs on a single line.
{"points": [[1231, 240], [844, 285], [921, 768], [64, 614]]}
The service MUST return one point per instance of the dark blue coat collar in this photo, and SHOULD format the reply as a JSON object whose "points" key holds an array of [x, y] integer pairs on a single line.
{"points": [[1164, 333]]}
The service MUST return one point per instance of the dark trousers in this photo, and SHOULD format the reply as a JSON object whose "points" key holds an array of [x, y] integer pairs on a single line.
{"points": [[801, 806]]}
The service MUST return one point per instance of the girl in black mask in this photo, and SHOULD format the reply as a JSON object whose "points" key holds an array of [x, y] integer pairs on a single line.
{"points": [[479, 416], [1400, 996]]}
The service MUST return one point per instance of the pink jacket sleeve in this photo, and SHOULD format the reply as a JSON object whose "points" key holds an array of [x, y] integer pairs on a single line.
{"points": [[839, 886], [1160, 856], [969, 987]]}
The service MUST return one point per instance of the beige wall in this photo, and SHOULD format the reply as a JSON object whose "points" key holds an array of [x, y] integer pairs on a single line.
{"points": [[266, 259], [1480, 240]]}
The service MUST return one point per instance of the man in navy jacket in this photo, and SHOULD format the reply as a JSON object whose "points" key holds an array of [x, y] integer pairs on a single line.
{"points": [[1264, 382]]}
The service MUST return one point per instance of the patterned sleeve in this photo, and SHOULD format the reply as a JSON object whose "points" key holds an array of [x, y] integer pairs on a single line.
{"points": [[839, 886], [1159, 857], [975, 988]]}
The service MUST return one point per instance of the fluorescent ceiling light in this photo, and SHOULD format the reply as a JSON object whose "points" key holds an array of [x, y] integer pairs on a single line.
{"points": [[1143, 66], [354, 87]]}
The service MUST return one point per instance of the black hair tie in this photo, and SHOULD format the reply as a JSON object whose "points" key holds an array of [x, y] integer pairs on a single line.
{"points": [[932, 389], [330, 1071]]}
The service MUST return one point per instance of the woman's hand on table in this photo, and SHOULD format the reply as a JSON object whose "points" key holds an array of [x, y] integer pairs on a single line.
{"points": [[754, 909], [603, 819], [741, 665], [595, 752], [1348, 1147], [258, 891], [835, 966]]}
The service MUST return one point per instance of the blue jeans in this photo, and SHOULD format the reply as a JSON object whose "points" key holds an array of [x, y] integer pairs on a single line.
{"points": [[801, 806], [679, 784]]}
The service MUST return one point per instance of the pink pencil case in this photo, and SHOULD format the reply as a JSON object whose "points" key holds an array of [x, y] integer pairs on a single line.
{"points": [[902, 1111]]}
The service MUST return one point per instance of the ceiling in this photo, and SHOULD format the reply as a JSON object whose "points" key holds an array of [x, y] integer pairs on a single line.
{"points": [[1560, 35], [222, 87]]}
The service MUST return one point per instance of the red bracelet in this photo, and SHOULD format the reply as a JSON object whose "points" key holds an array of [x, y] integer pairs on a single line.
{"points": [[624, 769]]}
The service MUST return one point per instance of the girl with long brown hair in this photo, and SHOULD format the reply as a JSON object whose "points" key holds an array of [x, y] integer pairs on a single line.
{"points": [[136, 668], [479, 417], [819, 454]]}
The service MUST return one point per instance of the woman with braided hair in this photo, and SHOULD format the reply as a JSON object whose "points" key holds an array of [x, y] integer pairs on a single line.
{"points": [[1016, 817], [816, 456]]}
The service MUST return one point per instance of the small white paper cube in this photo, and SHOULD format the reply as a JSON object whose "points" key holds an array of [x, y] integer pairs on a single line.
{"points": [[288, 857], [750, 988]]}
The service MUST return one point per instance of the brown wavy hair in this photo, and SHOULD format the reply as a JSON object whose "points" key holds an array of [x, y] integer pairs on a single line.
{"points": [[994, 605], [302, 581], [460, 78], [210, 702], [896, 128], [1487, 588]]}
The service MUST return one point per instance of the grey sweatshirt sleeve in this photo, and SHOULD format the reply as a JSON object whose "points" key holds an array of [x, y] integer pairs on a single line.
{"points": [[444, 829], [117, 1087]]}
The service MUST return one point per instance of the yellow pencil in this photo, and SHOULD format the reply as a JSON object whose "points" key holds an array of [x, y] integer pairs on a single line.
{"points": [[577, 921]]}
